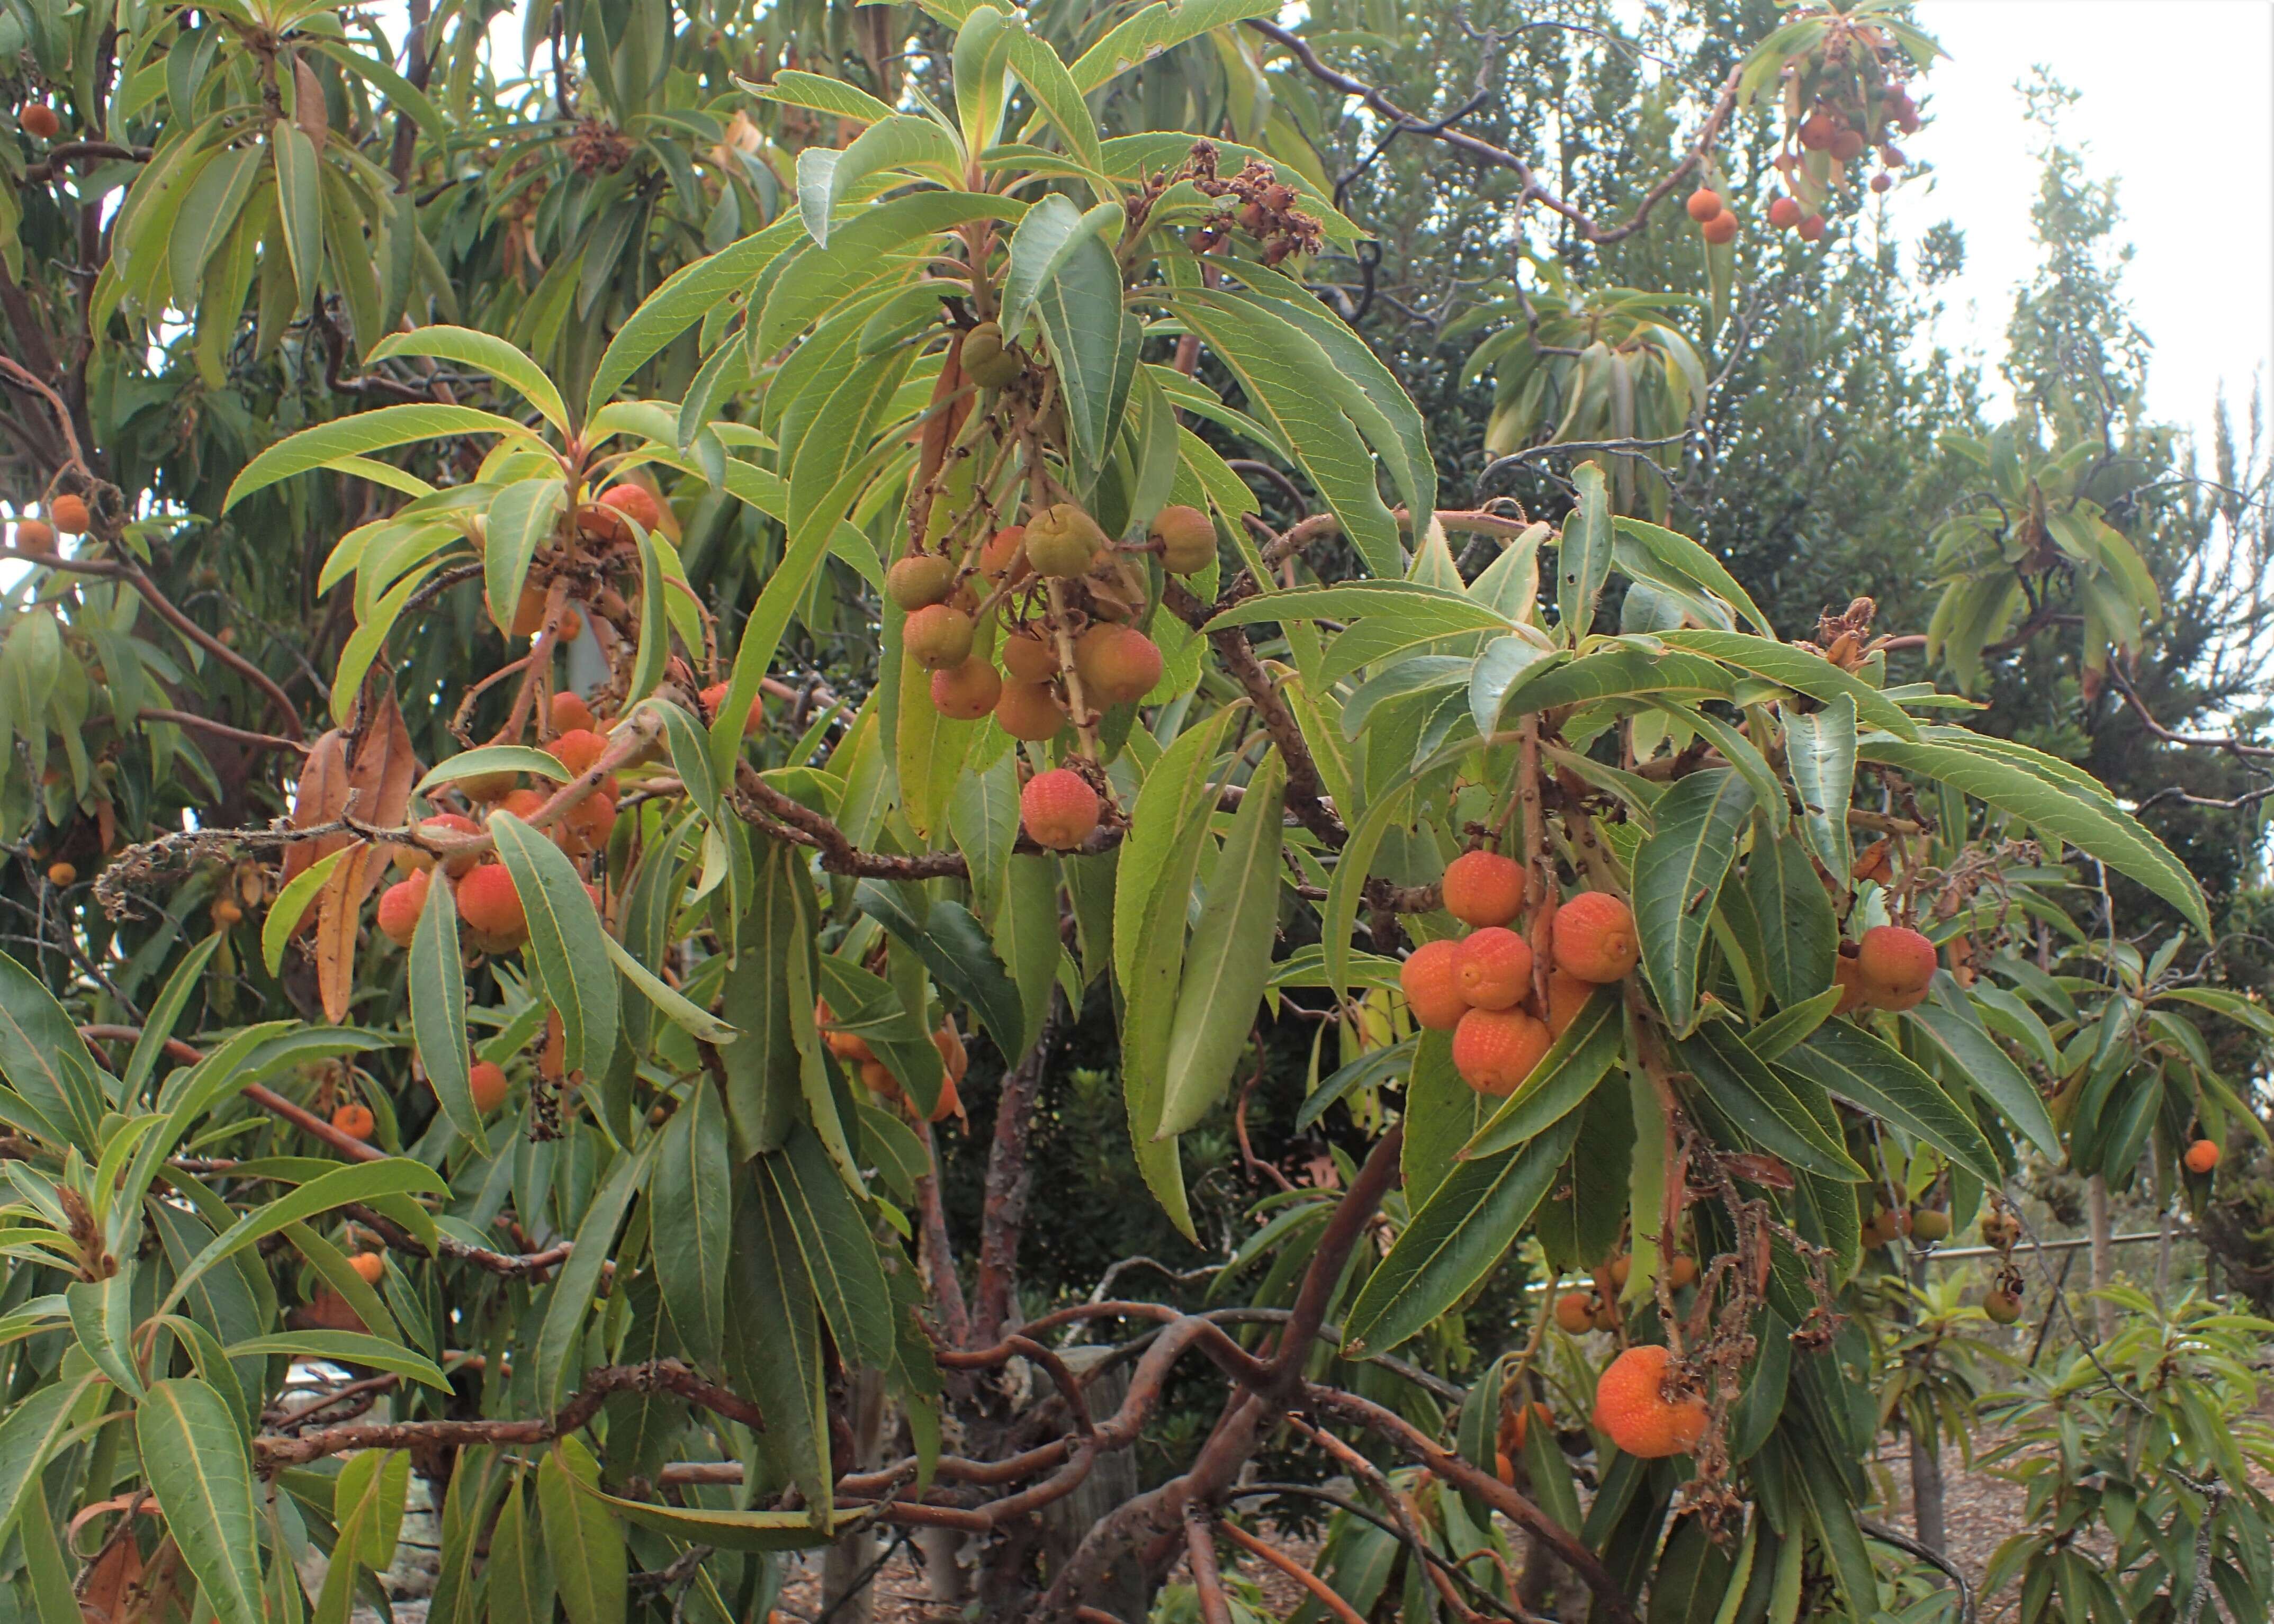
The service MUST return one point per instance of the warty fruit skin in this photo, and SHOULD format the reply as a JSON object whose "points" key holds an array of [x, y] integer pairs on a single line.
{"points": [[919, 579], [1029, 710], [1186, 537], [1058, 809], [1432, 992], [938, 637], [1063, 541], [1483, 888], [967, 691]]}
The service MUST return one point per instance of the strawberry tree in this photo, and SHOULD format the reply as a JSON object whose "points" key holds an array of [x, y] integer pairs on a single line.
{"points": [[580, 1151]]}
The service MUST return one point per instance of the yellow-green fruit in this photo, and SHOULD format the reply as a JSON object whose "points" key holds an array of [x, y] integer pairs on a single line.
{"points": [[1186, 537], [1029, 710], [1117, 663], [1063, 541], [987, 360], [919, 579], [938, 637], [1929, 1224]]}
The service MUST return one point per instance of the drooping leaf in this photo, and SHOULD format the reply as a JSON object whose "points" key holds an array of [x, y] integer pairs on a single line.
{"points": [[1678, 870], [197, 1465], [692, 1220], [581, 1537], [565, 941]]}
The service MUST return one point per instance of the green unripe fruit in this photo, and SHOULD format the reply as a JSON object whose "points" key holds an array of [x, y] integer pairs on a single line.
{"points": [[1929, 1225], [2002, 1307], [919, 579], [1063, 541], [987, 360], [1187, 538], [938, 637]]}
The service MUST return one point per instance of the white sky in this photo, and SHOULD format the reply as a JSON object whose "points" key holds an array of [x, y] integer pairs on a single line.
{"points": [[2177, 106]]}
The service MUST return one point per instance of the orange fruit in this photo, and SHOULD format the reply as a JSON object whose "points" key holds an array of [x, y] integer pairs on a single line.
{"points": [[1704, 204], [1503, 1468], [401, 903], [1058, 809], [34, 535], [1519, 1421], [1483, 888], [1784, 214], [1595, 937], [1632, 1410], [1894, 967], [69, 515], [967, 692], [589, 824], [634, 502], [1433, 991], [1496, 1049], [1493, 968], [61, 874], [491, 907], [2203, 1155], [947, 1105], [1031, 657], [877, 1080], [1719, 229], [226, 912], [568, 712], [370, 1264], [1574, 1311], [38, 121], [577, 750], [1683, 1271], [1812, 229], [953, 1059], [524, 803], [1001, 552], [1621, 1271], [410, 860], [1118, 664], [715, 695], [355, 1121], [486, 1079], [1567, 996]]}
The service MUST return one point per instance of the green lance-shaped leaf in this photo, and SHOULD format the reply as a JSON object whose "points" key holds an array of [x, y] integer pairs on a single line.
{"points": [[1959, 1034], [521, 517], [1041, 244], [1780, 1031], [438, 1011], [773, 1350], [1423, 609], [728, 1530], [1093, 346], [358, 435], [103, 1319], [1229, 960], [372, 1483], [1766, 1106], [1561, 1083], [1882, 1079], [1459, 1234], [832, 1234], [686, 297], [292, 905], [519, 1580], [29, 1433], [158, 1026], [195, 1462], [1678, 871], [364, 1181], [1583, 556], [489, 758], [370, 635], [299, 194], [954, 948], [582, 1536], [1057, 94], [1820, 751], [559, 1336], [1799, 934], [207, 214], [573, 966], [1686, 557], [762, 1066], [691, 1219], [1156, 868], [2086, 820], [1797, 669], [484, 352], [345, 1346], [44, 1059]]}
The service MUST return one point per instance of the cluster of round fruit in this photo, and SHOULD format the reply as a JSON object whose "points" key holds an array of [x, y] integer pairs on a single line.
{"points": [[1887, 1223], [67, 514], [1481, 987], [1516, 1424], [1634, 1409], [1716, 224], [877, 1076], [485, 1081], [950, 632], [489, 904], [1577, 1313]]}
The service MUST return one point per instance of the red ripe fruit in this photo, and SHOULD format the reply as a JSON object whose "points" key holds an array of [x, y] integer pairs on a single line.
{"points": [[1029, 710], [401, 903], [355, 1121], [1058, 809], [1720, 230], [1882, 181], [39, 121], [715, 695], [1493, 968], [1632, 1408], [1893, 965], [568, 712], [1118, 664], [410, 859], [1001, 552], [634, 502], [967, 692], [1848, 145], [1483, 888], [1496, 1049], [1784, 214], [2203, 1155], [1595, 937], [487, 1081], [1812, 229], [70, 515], [1816, 131], [1704, 204], [577, 750], [491, 907], [1432, 990]]}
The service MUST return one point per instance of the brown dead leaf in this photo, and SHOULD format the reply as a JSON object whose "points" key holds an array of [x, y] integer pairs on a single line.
{"points": [[320, 797], [339, 911], [112, 1583], [379, 778]]}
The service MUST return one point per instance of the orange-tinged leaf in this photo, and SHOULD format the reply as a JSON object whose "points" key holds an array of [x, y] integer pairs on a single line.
{"points": [[320, 797]]}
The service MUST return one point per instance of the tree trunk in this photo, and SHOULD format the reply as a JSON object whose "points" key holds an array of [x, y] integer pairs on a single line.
{"points": [[2163, 1228], [1927, 1519], [2104, 1255]]}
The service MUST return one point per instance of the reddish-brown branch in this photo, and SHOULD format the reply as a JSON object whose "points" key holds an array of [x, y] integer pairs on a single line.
{"points": [[935, 1253], [1319, 1590], [1207, 1579], [660, 1375], [1501, 157], [221, 730]]}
